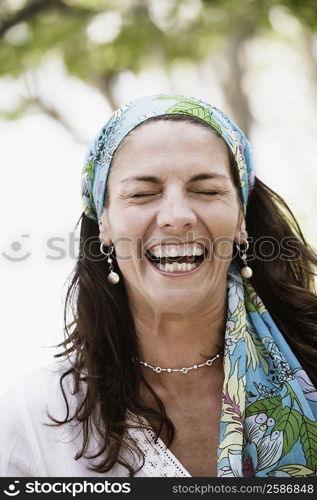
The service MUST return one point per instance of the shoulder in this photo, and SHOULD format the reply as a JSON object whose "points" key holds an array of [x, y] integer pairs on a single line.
{"points": [[30, 445], [24, 408], [35, 390]]}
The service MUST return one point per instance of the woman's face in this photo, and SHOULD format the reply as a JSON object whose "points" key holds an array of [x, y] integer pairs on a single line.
{"points": [[172, 196]]}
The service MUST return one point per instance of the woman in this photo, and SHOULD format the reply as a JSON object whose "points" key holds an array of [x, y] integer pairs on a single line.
{"points": [[173, 365]]}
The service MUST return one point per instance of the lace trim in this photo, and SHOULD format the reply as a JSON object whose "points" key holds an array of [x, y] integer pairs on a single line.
{"points": [[159, 461]]}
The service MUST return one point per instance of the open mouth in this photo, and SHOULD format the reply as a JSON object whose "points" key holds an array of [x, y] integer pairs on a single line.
{"points": [[177, 260]]}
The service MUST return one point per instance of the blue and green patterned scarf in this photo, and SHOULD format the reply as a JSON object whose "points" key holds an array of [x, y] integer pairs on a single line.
{"points": [[268, 423]]}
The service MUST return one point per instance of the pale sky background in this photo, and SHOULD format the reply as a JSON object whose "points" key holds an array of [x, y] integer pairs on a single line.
{"points": [[41, 169]]}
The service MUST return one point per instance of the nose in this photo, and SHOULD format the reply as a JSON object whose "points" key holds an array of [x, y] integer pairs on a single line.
{"points": [[175, 213]]}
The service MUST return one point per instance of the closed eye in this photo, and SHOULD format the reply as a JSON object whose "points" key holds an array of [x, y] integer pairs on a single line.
{"points": [[141, 195], [205, 192]]}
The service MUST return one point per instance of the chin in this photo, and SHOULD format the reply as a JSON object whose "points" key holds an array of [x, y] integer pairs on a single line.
{"points": [[176, 302]]}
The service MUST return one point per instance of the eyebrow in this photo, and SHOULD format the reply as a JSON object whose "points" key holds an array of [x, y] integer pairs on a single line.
{"points": [[156, 180]]}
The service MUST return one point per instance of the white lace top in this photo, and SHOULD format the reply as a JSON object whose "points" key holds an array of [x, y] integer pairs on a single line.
{"points": [[159, 460], [31, 449]]}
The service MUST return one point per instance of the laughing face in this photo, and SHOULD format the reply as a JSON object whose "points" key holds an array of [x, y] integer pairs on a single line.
{"points": [[172, 214]]}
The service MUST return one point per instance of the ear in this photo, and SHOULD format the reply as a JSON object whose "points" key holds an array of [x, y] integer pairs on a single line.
{"points": [[241, 232], [104, 230]]}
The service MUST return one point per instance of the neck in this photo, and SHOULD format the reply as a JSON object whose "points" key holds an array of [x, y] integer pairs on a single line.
{"points": [[175, 340]]}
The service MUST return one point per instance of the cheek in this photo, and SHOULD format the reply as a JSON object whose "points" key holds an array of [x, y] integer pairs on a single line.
{"points": [[222, 250], [129, 256], [222, 226], [222, 220], [131, 220], [123, 222], [127, 232], [124, 250]]}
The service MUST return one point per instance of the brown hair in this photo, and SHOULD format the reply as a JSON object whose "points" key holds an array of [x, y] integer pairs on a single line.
{"points": [[102, 338]]}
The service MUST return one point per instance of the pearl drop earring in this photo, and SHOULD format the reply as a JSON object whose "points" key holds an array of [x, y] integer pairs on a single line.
{"points": [[113, 277], [246, 271]]}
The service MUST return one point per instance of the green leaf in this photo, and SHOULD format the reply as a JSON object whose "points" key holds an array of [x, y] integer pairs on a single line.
{"points": [[256, 352], [308, 439], [89, 169], [289, 422], [293, 470], [192, 108], [290, 392], [250, 307], [270, 406]]}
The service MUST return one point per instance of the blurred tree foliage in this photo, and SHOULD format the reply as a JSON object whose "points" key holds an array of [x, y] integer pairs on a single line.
{"points": [[99, 39]]}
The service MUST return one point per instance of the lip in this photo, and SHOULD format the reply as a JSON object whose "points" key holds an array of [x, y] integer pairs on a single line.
{"points": [[176, 274]]}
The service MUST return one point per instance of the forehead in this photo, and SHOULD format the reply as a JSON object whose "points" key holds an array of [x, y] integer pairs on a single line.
{"points": [[168, 143]]}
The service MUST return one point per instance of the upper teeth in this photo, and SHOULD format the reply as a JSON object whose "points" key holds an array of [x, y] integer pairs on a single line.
{"points": [[177, 251]]}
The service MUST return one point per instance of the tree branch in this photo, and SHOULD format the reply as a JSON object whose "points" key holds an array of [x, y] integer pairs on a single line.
{"points": [[58, 117], [232, 84], [37, 6], [28, 11], [309, 39], [104, 81]]}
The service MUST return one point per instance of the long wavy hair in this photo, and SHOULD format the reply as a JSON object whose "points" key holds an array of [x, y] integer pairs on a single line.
{"points": [[101, 341]]}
